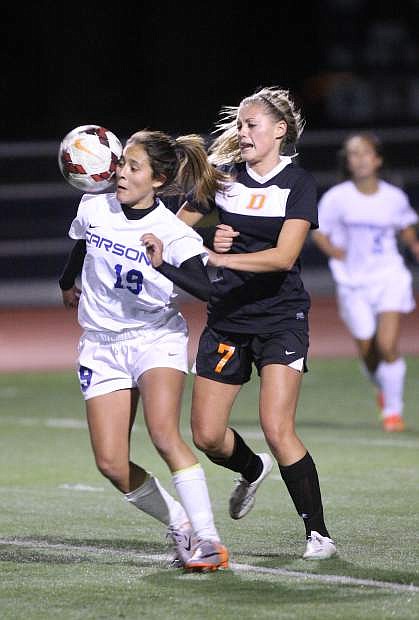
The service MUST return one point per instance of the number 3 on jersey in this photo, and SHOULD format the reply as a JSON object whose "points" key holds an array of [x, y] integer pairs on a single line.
{"points": [[133, 280], [227, 351]]}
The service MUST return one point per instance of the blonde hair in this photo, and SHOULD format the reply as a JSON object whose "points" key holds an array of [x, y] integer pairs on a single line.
{"points": [[276, 102], [183, 164]]}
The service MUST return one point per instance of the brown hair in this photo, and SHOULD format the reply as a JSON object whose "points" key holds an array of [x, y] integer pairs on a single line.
{"points": [[369, 137], [183, 164]]}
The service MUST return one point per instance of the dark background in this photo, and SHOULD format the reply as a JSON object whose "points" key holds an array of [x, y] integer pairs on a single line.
{"points": [[349, 64], [171, 66]]}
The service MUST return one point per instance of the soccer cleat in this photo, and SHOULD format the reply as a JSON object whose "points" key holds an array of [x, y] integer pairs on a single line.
{"points": [[319, 547], [242, 498], [183, 544], [393, 423], [208, 556]]}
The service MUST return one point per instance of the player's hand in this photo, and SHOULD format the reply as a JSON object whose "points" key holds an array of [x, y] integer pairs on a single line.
{"points": [[71, 297], [339, 253], [154, 247], [223, 239]]}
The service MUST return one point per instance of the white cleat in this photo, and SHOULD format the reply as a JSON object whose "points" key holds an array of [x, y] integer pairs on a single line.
{"points": [[319, 547], [183, 542], [242, 498]]}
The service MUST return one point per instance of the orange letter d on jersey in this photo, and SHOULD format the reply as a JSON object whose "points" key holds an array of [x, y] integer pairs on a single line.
{"points": [[256, 201]]}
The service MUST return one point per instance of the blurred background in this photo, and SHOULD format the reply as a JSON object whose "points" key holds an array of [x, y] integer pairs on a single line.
{"points": [[350, 64]]}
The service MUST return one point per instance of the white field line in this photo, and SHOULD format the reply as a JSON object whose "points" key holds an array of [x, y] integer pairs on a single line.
{"points": [[80, 423], [152, 558]]}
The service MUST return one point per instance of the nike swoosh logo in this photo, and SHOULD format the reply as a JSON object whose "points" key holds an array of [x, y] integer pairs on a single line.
{"points": [[90, 226], [289, 352], [80, 146]]}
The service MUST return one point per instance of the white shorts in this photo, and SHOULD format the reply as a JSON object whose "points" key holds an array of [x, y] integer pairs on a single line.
{"points": [[115, 362], [360, 306]]}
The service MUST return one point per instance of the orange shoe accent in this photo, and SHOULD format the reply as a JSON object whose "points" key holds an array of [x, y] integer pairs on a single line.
{"points": [[208, 557], [393, 423]]}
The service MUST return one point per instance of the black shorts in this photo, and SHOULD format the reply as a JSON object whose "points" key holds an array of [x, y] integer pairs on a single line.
{"points": [[228, 357]]}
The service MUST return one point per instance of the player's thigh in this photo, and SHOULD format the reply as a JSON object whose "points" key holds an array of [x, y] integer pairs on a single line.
{"points": [[279, 392], [356, 311], [110, 418], [161, 392], [212, 402]]}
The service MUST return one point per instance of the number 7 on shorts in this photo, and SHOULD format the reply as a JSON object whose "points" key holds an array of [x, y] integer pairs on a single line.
{"points": [[227, 351]]}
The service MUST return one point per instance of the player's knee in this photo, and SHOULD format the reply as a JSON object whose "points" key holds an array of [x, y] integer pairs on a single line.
{"points": [[279, 434], [207, 442], [110, 468], [166, 443]]}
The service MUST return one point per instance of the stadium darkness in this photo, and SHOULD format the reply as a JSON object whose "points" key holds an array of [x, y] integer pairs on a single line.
{"points": [[169, 66]]}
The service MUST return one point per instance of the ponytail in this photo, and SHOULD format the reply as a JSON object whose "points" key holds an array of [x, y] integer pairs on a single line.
{"points": [[183, 166], [198, 178]]}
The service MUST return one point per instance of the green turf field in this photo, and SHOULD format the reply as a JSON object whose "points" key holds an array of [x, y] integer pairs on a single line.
{"points": [[71, 548]]}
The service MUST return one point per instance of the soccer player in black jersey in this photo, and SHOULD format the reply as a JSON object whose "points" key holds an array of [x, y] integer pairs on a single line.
{"points": [[258, 307]]}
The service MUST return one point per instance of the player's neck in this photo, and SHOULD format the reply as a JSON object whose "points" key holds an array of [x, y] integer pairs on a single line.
{"points": [[146, 203], [265, 165], [368, 185]]}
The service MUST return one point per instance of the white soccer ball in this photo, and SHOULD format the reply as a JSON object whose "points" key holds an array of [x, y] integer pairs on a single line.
{"points": [[88, 156]]}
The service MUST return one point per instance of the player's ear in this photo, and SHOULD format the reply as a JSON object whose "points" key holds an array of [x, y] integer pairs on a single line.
{"points": [[159, 181], [280, 129]]}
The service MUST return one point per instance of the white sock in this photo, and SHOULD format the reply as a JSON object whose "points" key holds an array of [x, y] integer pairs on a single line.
{"points": [[191, 487], [391, 376], [154, 500]]}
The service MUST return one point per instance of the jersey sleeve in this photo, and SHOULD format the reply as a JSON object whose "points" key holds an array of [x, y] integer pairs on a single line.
{"points": [[80, 223], [408, 216], [302, 200], [181, 249], [328, 214]]}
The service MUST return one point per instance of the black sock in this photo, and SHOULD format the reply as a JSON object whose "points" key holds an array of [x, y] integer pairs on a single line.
{"points": [[303, 486], [243, 460]]}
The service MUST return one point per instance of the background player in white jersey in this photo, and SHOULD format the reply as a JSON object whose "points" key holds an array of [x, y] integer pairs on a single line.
{"points": [[258, 307], [135, 340], [359, 220]]}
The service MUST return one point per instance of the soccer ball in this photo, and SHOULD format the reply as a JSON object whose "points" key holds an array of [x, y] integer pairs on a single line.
{"points": [[88, 156]]}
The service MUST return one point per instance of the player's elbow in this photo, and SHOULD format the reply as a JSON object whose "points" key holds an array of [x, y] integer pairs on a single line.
{"points": [[285, 262]]}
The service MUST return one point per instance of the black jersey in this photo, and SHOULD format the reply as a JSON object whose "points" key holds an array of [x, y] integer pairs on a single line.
{"points": [[257, 207]]}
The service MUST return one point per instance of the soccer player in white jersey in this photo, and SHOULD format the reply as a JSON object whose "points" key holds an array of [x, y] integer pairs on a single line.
{"points": [[360, 219], [134, 341], [258, 307]]}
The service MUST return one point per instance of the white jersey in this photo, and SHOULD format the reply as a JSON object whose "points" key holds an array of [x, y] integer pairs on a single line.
{"points": [[121, 289], [365, 226]]}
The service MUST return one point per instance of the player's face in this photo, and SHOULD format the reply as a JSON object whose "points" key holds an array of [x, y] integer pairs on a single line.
{"points": [[135, 184], [361, 159], [259, 135]]}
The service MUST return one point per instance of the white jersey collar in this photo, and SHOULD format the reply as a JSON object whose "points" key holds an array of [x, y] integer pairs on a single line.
{"points": [[285, 161]]}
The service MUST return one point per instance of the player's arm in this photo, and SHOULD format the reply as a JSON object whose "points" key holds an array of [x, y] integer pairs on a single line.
{"points": [[72, 269], [326, 246], [280, 258], [191, 276], [188, 215], [213, 239], [410, 238]]}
